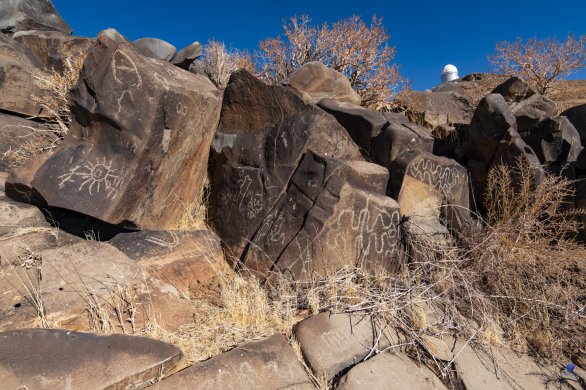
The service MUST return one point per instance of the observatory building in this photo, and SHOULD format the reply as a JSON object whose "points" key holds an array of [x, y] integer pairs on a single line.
{"points": [[450, 73]]}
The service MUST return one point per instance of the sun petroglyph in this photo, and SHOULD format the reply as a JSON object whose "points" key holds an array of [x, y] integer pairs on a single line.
{"points": [[96, 177]]}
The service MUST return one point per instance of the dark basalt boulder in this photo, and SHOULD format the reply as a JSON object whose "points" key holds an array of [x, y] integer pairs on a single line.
{"points": [[492, 139], [554, 140], [52, 49], [514, 90], [138, 146], [398, 136], [155, 48], [531, 111], [363, 125], [184, 57], [263, 135], [23, 15], [334, 214], [19, 71]]}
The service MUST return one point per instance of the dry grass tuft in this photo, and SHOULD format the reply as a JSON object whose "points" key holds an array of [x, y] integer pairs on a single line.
{"points": [[195, 214], [56, 87]]}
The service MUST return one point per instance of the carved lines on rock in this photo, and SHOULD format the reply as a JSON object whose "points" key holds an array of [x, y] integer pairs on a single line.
{"points": [[95, 176], [441, 177]]}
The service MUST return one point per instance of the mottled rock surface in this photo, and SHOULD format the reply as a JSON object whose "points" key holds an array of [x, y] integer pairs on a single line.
{"points": [[51, 359], [22, 15], [267, 364]]}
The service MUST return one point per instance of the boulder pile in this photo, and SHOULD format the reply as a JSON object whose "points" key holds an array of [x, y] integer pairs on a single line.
{"points": [[303, 182]]}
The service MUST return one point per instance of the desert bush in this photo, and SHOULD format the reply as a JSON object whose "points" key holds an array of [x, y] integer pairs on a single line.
{"points": [[522, 269], [540, 61], [350, 46], [219, 62]]}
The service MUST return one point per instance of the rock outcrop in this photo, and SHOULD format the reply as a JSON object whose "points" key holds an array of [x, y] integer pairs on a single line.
{"points": [[155, 48], [23, 15], [137, 149], [263, 134]]}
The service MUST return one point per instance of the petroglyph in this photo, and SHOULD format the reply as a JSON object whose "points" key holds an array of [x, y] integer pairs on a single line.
{"points": [[125, 71], [249, 203], [97, 177], [171, 242], [166, 140], [368, 231], [443, 178], [181, 109]]}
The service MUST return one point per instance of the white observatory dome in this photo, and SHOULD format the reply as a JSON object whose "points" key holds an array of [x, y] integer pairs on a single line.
{"points": [[450, 73]]}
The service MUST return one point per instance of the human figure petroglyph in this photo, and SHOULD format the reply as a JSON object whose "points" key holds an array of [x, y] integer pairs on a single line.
{"points": [[181, 108], [98, 176], [441, 177]]}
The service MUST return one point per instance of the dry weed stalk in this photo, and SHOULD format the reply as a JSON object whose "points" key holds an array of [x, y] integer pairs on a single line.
{"points": [[219, 63], [195, 214]]}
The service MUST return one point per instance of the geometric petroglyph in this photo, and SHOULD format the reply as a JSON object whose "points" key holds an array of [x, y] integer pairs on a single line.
{"points": [[249, 203], [170, 243], [441, 177], [95, 177]]}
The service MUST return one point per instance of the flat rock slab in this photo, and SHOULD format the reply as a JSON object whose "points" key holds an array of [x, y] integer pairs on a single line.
{"points": [[155, 48], [138, 146], [184, 57], [333, 342], [86, 285], [438, 109], [56, 359], [502, 369], [21, 15], [267, 364], [388, 371], [188, 260]]}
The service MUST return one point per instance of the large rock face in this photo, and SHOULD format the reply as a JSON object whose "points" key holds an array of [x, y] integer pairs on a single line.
{"points": [[18, 70], [316, 81], [263, 134], [334, 214], [137, 150], [51, 49], [58, 359], [437, 109], [22, 15], [492, 139]]}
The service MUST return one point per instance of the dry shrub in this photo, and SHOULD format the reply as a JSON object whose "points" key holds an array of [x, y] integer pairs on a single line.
{"points": [[56, 86], [522, 268], [37, 142], [350, 46], [540, 61], [219, 62]]}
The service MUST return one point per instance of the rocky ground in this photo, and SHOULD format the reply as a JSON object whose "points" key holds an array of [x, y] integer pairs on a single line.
{"points": [[325, 221]]}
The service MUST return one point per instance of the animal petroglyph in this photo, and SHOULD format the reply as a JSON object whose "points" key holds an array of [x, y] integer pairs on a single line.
{"points": [[171, 242], [96, 177], [441, 177], [125, 71]]}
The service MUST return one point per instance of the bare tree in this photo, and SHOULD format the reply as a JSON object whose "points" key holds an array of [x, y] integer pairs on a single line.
{"points": [[219, 63], [350, 46], [540, 61]]}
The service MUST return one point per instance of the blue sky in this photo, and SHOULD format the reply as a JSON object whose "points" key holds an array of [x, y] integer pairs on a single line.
{"points": [[426, 34]]}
